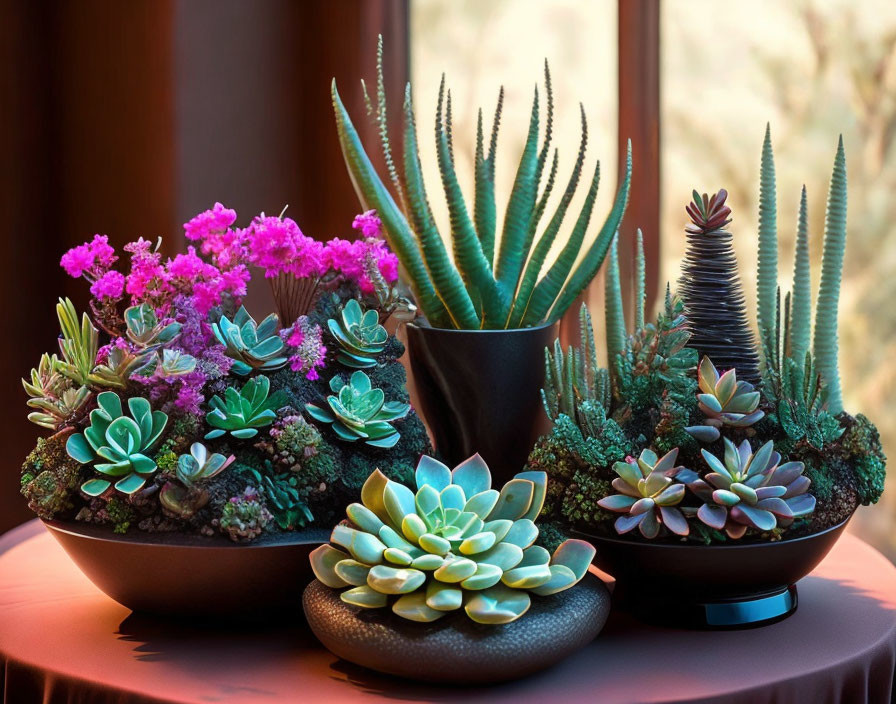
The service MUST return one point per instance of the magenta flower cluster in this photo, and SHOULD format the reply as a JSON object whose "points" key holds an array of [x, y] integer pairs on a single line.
{"points": [[307, 351]]}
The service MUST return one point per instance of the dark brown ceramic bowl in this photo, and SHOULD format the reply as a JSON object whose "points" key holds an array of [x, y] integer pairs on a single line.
{"points": [[711, 586], [455, 649], [165, 573]]}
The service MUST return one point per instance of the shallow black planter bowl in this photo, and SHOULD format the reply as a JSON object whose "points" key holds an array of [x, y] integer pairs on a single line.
{"points": [[173, 574], [454, 649], [480, 391], [711, 586]]}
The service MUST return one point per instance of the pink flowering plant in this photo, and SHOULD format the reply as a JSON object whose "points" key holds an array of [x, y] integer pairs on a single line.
{"points": [[169, 404]]}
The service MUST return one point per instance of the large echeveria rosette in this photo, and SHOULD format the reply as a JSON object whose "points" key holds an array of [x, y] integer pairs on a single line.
{"points": [[456, 543]]}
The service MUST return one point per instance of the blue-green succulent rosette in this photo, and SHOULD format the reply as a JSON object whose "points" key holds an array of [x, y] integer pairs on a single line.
{"points": [[456, 543]]}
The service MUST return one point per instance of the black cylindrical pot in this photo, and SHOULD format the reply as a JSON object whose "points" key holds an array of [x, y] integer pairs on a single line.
{"points": [[480, 391], [710, 586]]}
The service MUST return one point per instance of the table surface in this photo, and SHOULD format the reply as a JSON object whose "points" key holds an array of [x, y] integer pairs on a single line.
{"points": [[63, 640]]}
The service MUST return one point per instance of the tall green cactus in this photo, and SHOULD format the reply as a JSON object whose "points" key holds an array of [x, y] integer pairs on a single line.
{"points": [[824, 344], [479, 289], [640, 283], [767, 274], [615, 315], [801, 311]]}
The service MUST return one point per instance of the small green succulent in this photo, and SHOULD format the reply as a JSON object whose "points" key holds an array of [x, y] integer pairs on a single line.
{"points": [[749, 490], [169, 363], [253, 346], [56, 397], [144, 328], [359, 334], [124, 442], [360, 412], [186, 496], [120, 365], [725, 401], [281, 497], [456, 543], [648, 495], [242, 412], [78, 344]]}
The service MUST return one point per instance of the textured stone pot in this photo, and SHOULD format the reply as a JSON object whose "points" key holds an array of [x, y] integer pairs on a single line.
{"points": [[480, 391], [165, 573], [454, 649], [711, 586]]}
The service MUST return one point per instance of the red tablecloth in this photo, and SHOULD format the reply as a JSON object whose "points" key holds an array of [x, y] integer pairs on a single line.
{"points": [[63, 641]]}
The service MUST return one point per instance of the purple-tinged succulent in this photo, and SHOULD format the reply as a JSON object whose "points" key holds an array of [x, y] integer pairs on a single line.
{"points": [[725, 401], [750, 490], [648, 495]]}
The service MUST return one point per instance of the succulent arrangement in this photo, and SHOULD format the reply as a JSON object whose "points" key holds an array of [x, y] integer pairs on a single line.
{"points": [[170, 409], [493, 282], [454, 543], [736, 437]]}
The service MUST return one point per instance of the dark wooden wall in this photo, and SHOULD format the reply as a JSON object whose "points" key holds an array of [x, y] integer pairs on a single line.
{"points": [[126, 118]]}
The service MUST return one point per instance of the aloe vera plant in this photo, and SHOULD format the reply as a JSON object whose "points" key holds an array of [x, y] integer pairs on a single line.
{"points": [[455, 543], [122, 441], [482, 288]]}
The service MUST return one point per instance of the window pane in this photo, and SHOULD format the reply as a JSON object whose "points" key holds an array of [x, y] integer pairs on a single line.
{"points": [[482, 45], [813, 70]]}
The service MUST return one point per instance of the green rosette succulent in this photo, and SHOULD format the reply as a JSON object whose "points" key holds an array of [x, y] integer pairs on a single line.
{"points": [[360, 412], [456, 543], [144, 328], [124, 442], [241, 413], [186, 496], [750, 490], [724, 401], [648, 495], [359, 334], [252, 346]]}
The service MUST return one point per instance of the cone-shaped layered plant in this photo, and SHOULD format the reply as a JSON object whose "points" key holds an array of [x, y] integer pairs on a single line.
{"points": [[481, 288], [711, 290], [456, 543], [123, 442]]}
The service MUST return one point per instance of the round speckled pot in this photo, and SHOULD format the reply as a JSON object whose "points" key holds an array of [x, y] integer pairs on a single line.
{"points": [[454, 649]]}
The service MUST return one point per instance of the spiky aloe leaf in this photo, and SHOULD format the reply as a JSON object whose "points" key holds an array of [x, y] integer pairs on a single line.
{"points": [[615, 316], [536, 261], [640, 283], [520, 208], [468, 255], [484, 213], [594, 257], [801, 312], [382, 123], [825, 340], [767, 273], [373, 194], [448, 283], [545, 293]]}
